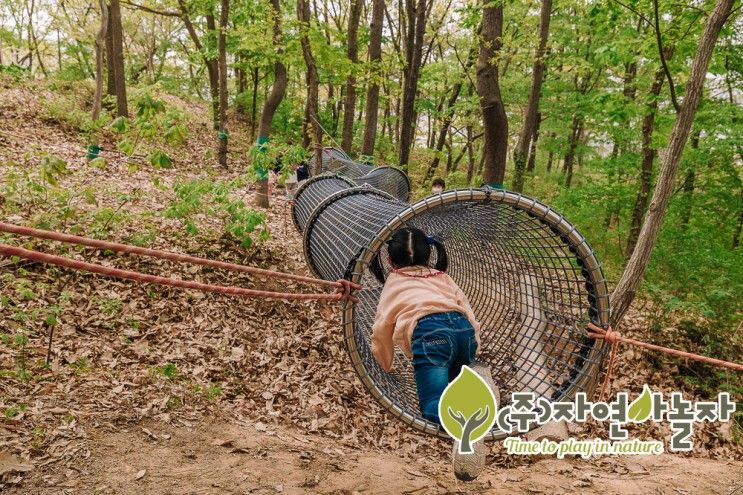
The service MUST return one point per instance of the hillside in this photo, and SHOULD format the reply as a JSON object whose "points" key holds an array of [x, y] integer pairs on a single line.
{"points": [[156, 390]]}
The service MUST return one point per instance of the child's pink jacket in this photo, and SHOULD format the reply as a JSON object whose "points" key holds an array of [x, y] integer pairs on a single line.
{"points": [[405, 300]]}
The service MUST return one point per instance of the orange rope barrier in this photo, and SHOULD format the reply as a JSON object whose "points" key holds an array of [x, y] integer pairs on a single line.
{"points": [[615, 338], [343, 292], [154, 253]]}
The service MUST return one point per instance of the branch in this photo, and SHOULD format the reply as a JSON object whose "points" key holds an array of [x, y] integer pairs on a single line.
{"points": [[663, 57], [167, 13], [636, 12]]}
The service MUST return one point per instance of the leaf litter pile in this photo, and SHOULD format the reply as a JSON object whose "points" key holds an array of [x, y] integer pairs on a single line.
{"points": [[126, 355]]}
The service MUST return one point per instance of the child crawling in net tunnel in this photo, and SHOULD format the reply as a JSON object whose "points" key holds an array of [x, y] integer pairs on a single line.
{"points": [[424, 312]]}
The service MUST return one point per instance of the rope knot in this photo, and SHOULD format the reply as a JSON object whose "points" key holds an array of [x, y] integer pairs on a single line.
{"points": [[612, 336], [345, 288]]}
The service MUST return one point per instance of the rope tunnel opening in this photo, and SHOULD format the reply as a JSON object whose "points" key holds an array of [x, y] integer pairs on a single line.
{"points": [[532, 280]]}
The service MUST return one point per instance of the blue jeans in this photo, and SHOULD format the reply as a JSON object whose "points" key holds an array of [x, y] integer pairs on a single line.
{"points": [[441, 344]]}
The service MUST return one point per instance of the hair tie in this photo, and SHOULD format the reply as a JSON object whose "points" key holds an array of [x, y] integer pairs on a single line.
{"points": [[430, 240]]}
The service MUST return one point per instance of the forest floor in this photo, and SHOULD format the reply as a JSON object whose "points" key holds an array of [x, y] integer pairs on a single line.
{"points": [[156, 390]]}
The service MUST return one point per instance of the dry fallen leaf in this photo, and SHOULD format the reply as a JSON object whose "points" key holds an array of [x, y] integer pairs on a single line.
{"points": [[12, 464]]}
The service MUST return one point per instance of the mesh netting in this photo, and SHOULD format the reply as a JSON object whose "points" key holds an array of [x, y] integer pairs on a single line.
{"points": [[389, 179], [336, 160], [314, 191], [363, 211], [531, 278]]}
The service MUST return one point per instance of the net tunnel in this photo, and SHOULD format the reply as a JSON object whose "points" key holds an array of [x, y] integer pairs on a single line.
{"points": [[388, 179], [532, 279]]}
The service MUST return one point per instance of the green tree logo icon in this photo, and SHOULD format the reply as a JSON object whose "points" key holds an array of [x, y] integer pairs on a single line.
{"points": [[467, 409]]}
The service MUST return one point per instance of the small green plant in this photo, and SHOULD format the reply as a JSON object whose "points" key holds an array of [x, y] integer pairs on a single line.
{"points": [[168, 370], [152, 124], [13, 411], [110, 306], [215, 200], [173, 403], [213, 391], [80, 365]]}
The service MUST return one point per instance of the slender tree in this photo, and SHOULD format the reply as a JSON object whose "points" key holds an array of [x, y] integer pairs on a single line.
{"points": [[278, 89], [372, 95], [625, 290], [222, 136], [100, 41], [495, 121], [416, 12], [352, 50], [117, 59], [648, 158], [532, 107], [312, 119]]}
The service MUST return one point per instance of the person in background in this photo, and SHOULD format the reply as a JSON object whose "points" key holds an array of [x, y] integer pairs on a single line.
{"points": [[303, 172], [437, 186]]}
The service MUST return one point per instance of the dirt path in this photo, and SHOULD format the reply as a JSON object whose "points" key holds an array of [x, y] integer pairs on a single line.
{"points": [[220, 457]]}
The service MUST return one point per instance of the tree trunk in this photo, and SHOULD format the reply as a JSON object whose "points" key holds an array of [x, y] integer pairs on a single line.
{"points": [[274, 98], [212, 66], [470, 155], [567, 168], [117, 56], [551, 156], [495, 121], [352, 51], [279, 84], [111, 79], [303, 15], [222, 41], [689, 182], [416, 17], [100, 41], [648, 156], [532, 106], [254, 104], [531, 164], [625, 291]]}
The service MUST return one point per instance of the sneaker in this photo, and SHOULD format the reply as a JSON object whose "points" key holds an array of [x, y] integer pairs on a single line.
{"points": [[467, 467]]}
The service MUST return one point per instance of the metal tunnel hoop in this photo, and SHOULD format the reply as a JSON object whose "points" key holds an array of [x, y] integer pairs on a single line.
{"points": [[403, 193], [584, 378], [306, 185], [309, 225]]}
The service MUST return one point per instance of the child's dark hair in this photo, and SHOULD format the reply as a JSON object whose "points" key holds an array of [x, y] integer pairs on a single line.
{"points": [[438, 182], [409, 246]]}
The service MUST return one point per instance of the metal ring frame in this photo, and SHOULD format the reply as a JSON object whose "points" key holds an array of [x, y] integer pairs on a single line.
{"points": [[343, 227]]}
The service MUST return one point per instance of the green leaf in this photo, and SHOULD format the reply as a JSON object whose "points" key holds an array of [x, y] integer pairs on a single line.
{"points": [[120, 124], [640, 408], [51, 168], [99, 162], [159, 159], [175, 134], [126, 147]]}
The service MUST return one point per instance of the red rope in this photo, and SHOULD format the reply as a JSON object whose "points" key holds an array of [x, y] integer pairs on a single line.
{"points": [[615, 338], [342, 293], [183, 258]]}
